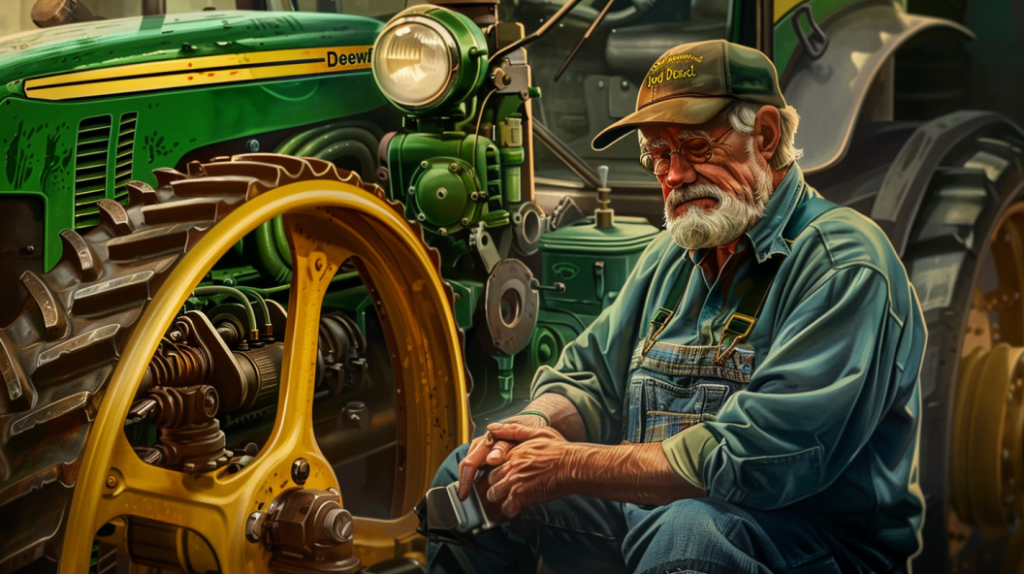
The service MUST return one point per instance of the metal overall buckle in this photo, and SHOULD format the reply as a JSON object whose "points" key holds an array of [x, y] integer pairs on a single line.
{"points": [[738, 337], [658, 324]]}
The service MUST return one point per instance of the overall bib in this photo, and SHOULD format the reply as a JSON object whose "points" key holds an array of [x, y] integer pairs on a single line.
{"points": [[673, 387]]}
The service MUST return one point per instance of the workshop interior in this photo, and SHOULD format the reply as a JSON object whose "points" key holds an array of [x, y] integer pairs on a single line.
{"points": [[265, 263]]}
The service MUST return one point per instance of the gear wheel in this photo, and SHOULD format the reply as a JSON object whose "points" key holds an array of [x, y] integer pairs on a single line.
{"points": [[61, 349]]}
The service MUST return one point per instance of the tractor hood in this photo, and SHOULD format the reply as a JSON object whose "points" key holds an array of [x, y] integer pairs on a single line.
{"points": [[69, 51]]}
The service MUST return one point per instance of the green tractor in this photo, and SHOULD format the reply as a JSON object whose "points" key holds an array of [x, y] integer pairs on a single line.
{"points": [[265, 268]]}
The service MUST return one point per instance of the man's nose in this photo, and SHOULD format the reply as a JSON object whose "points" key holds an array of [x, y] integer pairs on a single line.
{"points": [[680, 172]]}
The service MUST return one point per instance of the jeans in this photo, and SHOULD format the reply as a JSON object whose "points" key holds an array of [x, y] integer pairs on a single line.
{"points": [[690, 536]]}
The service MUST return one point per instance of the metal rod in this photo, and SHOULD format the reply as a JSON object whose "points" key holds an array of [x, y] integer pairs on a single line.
{"points": [[540, 32], [577, 164], [593, 26]]}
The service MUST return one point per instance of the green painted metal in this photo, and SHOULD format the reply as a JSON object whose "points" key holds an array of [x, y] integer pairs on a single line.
{"points": [[92, 45], [466, 167], [74, 153], [784, 38], [41, 136], [592, 262]]}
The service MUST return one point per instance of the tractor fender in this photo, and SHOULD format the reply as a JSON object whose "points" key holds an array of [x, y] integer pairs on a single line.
{"points": [[829, 92], [903, 190]]}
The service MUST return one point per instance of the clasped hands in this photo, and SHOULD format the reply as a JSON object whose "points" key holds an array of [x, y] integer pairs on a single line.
{"points": [[531, 464]]}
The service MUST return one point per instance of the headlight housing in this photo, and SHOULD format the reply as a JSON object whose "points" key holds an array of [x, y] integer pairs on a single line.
{"points": [[428, 58]]}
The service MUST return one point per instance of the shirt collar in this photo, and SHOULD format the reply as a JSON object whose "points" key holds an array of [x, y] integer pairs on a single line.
{"points": [[766, 236]]}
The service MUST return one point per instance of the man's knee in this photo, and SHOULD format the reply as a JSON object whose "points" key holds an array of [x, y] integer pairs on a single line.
{"points": [[448, 472], [693, 529]]}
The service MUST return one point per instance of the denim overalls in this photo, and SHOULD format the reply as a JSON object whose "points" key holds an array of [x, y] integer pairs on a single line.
{"points": [[673, 387]]}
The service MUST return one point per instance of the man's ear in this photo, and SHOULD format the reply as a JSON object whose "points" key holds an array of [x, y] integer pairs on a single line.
{"points": [[767, 131]]}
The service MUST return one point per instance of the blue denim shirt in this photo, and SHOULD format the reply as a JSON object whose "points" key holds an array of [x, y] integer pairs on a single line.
{"points": [[826, 420]]}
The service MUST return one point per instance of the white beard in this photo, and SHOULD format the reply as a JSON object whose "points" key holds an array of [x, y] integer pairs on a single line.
{"points": [[732, 217]]}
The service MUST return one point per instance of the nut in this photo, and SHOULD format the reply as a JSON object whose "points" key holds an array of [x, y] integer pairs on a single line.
{"points": [[300, 471], [254, 526]]}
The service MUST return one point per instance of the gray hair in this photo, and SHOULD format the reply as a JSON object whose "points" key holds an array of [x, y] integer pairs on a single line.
{"points": [[741, 116]]}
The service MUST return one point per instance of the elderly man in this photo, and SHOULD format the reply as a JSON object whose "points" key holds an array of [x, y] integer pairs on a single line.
{"points": [[750, 402]]}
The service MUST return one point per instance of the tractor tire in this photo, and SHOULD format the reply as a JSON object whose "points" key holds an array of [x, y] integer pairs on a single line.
{"points": [[963, 249], [60, 350]]}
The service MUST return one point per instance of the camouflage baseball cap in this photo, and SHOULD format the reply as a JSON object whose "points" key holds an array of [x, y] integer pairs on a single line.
{"points": [[692, 83]]}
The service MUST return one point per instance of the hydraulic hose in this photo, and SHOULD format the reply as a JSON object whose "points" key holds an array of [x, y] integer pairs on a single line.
{"points": [[268, 327], [254, 332]]}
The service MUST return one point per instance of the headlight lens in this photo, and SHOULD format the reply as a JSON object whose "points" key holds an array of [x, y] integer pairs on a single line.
{"points": [[429, 59], [413, 63]]}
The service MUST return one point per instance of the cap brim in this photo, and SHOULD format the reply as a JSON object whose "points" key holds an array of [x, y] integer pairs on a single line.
{"points": [[682, 110]]}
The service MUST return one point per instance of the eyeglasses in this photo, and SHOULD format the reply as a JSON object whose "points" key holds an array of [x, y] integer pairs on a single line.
{"points": [[694, 149]]}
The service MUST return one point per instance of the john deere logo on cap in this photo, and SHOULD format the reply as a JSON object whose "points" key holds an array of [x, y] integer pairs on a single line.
{"points": [[661, 71]]}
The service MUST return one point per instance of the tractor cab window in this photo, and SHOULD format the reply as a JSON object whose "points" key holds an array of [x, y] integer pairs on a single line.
{"points": [[600, 85]]}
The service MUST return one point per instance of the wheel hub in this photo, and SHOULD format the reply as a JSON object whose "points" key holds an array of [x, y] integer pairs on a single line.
{"points": [[988, 440]]}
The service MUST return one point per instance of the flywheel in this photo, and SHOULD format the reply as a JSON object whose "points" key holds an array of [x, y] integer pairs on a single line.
{"points": [[76, 360]]}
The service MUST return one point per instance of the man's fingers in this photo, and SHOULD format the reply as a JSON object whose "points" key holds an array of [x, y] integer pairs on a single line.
{"points": [[478, 451], [511, 506], [499, 473], [498, 452], [515, 433], [499, 490]]}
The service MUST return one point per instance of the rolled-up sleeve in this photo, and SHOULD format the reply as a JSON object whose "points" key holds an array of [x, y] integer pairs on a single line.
{"points": [[820, 391], [592, 369]]}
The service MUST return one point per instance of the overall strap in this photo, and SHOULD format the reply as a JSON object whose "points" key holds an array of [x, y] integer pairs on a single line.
{"points": [[665, 313], [740, 324]]}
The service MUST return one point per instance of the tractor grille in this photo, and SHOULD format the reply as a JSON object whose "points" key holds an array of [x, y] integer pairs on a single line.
{"points": [[91, 158], [123, 161]]}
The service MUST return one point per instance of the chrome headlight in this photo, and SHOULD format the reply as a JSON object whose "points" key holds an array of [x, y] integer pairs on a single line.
{"points": [[428, 57]]}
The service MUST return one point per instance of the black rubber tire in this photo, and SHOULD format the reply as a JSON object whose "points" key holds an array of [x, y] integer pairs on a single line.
{"points": [[62, 346], [982, 176]]}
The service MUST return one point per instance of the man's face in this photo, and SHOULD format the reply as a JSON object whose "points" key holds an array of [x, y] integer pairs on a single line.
{"points": [[710, 203]]}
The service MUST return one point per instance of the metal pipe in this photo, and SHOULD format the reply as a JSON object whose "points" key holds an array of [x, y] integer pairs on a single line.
{"points": [[254, 332]]}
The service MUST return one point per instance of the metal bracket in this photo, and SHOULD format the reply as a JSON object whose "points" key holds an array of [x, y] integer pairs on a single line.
{"points": [[815, 44], [483, 244]]}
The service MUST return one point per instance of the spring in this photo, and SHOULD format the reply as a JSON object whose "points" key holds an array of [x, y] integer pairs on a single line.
{"points": [[178, 365]]}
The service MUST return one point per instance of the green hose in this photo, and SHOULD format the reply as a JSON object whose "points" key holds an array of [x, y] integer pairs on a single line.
{"points": [[268, 327], [254, 332], [279, 271], [325, 142]]}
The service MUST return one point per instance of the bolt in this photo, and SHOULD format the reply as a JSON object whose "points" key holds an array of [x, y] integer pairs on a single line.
{"points": [[624, 85], [465, 221], [300, 471], [111, 481], [424, 164], [453, 167], [338, 526], [412, 189], [600, 85], [474, 196], [442, 232], [254, 526], [441, 193], [252, 145], [421, 217]]}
